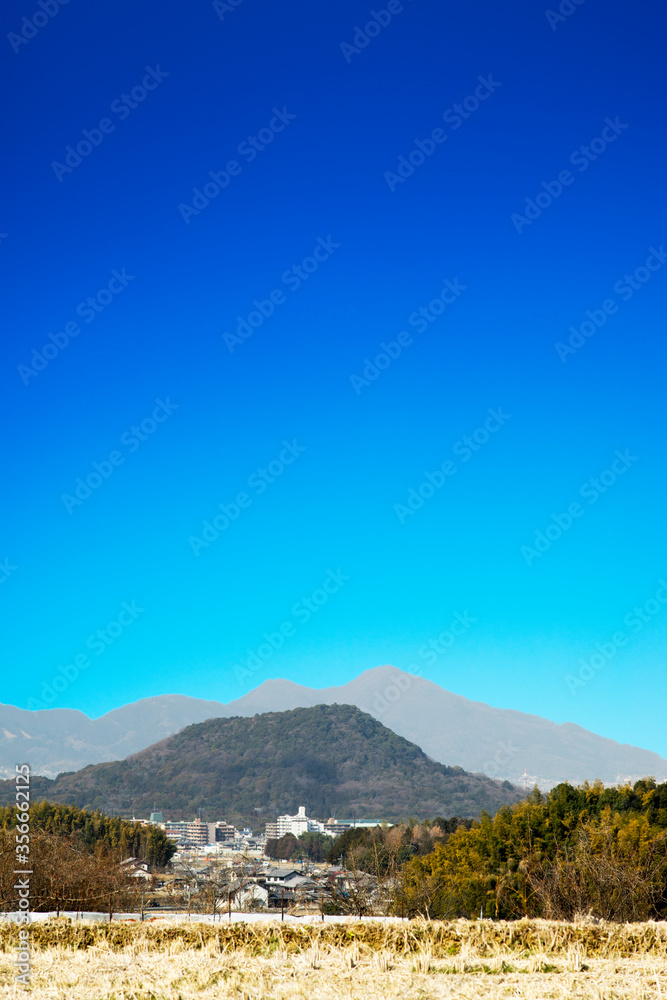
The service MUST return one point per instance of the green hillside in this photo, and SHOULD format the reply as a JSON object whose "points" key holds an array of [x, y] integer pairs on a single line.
{"points": [[333, 759]]}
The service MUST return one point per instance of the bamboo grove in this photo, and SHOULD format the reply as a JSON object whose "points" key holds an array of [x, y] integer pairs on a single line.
{"points": [[570, 853]]}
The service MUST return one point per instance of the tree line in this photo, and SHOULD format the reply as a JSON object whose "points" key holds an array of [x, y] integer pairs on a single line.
{"points": [[90, 831], [76, 858], [572, 852]]}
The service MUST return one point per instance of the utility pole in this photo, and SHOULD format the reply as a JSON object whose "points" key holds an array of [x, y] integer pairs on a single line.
{"points": [[282, 904]]}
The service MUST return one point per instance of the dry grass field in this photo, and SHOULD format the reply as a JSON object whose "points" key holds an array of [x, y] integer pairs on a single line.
{"points": [[468, 959]]}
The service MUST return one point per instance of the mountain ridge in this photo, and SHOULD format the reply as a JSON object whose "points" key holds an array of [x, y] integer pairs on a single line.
{"points": [[335, 759], [449, 728]]}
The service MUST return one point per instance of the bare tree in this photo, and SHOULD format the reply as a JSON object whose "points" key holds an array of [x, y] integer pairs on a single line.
{"points": [[66, 877], [212, 887]]}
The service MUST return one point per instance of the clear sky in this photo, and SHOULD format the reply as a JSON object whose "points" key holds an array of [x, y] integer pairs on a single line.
{"points": [[213, 217]]}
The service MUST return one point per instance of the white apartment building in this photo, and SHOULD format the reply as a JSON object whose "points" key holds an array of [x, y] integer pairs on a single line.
{"points": [[301, 823], [297, 825]]}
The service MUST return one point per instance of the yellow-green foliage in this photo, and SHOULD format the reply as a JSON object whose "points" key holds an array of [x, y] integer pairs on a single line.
{"points": [[575, 851]]}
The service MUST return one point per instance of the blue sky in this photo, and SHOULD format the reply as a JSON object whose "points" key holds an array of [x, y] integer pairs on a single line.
{"points": [[363, 162]]}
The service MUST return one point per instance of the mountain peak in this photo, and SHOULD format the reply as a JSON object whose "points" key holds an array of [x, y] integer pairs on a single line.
{"points": [[335, 758], [502, 743]]}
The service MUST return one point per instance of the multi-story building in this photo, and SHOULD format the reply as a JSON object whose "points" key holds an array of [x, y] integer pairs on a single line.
{"points": [[194, 833], [334, 828], [296, 825], [220, 832]]}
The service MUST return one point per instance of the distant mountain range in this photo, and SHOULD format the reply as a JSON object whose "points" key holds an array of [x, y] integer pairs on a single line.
{"points": [[334, 759], [451, 729], [63, 739]]}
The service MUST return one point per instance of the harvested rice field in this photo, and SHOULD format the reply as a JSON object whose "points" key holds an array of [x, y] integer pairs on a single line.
{"points": [[417, 959]]}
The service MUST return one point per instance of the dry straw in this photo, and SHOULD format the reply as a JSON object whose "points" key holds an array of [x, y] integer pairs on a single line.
{"points": [[440, 938], [528, 959]]}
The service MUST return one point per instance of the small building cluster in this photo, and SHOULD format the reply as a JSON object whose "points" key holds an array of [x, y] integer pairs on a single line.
{"points": [[218, 867], [222, 836], [299, 824], [197, 884], [197, 834]]}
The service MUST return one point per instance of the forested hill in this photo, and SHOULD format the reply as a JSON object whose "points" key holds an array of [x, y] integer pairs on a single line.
{"points": [[333, 759]]}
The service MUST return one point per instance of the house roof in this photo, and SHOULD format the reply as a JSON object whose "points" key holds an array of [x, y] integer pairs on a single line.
{"points": [[280, 873], [295, 881]]}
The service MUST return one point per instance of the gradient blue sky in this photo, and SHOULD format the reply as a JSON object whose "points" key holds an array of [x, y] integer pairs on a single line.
{"points": [[323, 176]]}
